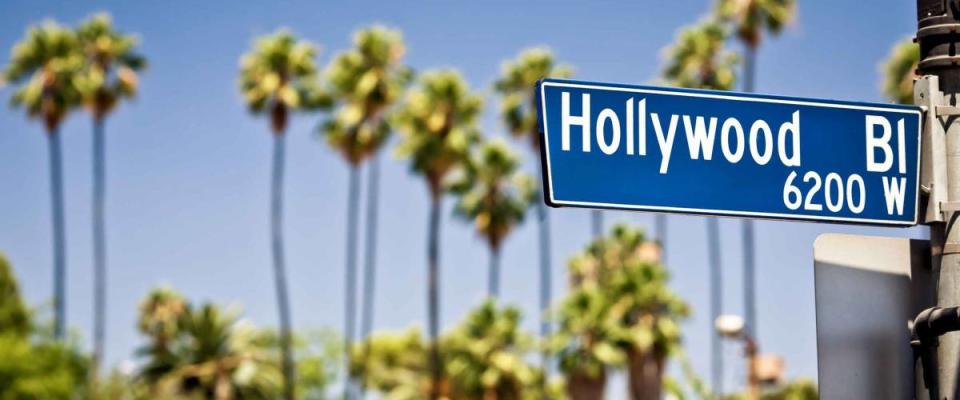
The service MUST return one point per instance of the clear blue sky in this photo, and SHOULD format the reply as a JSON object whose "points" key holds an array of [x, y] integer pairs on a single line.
{"points": [[188, 167]]}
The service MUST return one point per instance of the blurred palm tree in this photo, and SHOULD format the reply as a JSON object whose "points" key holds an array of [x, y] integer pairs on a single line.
{"points": [[699, 60], [32, 366], [495, 196], [620, 311], [518, 109], [109, 76], [46, 63], [277, 77], [899, 71], [14, 315], [484, 357], [750, 19], [365, 81], [203, 352], [394, 364], [159, 317], [438, 121]]}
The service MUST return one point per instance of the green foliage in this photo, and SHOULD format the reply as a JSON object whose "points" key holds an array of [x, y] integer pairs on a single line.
{"points": [[698, 59], [798, 389], [111, 66], [394, 364], [484, 357], [204, 351], [14, 315], [619, 304], [364, 82], [46, 64], [40, 368], [438, 124], [517, 84], [279, 75], [32, 364], [899, 71], [318, 353], [493, 194], [750, 18]]}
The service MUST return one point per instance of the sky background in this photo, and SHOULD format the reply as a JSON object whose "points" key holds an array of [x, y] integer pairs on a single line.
{"points": [[188, 167]]}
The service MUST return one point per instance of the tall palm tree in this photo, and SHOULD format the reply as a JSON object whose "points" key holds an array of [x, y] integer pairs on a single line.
{"points": [[495, 196], [485, 354], [109, 76], [46, 64], [517, 84], [365, 82], [203, 352], [277, 77], [750, 19], [699, 60], [620, 311], [899, 71], [438, 123], [393, 363]]}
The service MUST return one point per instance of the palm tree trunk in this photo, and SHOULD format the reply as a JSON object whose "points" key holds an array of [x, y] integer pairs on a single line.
{"points": [[645, 375], [59, 233], [716, 306], [582, 386], [99, 244], [350, 274], [543, 226], [370, 254], [660, 226], [596, 222], [749, 68], [283, 303], [749, 301], [493, 277], [433, 292]]}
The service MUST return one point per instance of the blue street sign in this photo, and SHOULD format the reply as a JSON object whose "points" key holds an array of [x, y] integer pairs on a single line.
{"points": [[724, 153]]}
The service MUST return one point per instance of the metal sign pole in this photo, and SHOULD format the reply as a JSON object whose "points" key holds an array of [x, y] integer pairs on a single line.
{"points": [[938, 90]]}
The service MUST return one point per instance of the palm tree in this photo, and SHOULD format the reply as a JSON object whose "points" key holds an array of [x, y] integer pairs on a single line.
{"points": [[394, 364], [438, 121], [750, 20], [159, 318], [278, 76], [203, 352], [485, 356], [698, 60], [517, 84], [899, 71], [495, 197], [365, 81], [110, 75], [46, 64], [619, 312], [15, 318]]}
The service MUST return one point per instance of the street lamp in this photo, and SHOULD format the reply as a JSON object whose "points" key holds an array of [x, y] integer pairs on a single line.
{"points": [[765, 369]]}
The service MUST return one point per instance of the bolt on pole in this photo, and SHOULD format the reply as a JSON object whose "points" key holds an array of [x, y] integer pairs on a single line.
{"points": [[938, 89]]}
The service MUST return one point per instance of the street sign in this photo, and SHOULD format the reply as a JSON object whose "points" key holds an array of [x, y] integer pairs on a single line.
{"points": [[723, 153], [867, 289]]}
